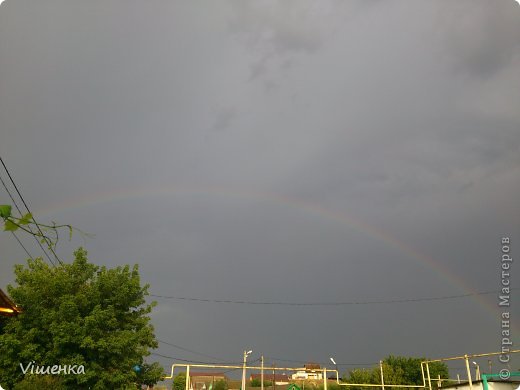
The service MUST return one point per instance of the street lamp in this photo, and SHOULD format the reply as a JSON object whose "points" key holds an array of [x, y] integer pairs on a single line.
{"points": [[246, 354], [477, 372], [336, 365]]}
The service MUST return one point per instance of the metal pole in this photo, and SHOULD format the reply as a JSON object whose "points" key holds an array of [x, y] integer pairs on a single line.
{"points": [[382, 377], [429, 378], [422, 373], [244, 372], [274, 381], [458, 378], [468, 372], [325, 378], [262, 374], [187, 377]]}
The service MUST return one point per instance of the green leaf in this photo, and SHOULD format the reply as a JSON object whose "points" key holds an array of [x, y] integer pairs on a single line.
{"points": [[26, 219], [9, 226], [5, 211]]}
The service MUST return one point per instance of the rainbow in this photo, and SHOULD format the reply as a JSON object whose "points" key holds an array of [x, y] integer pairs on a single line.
{"points": [[313, 209]]}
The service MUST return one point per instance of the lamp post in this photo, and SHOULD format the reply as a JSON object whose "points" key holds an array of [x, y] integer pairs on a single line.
{"points": [[246, 354], [335, 364], [477, 371]]}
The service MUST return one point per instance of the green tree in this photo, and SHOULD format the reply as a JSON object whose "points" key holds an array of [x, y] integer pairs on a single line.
{"points": [[40, 382], [78, 314], [221, 385], [407, 370], [179, 382], [258, 383], [150, 373], [398, 370], [363, 375]]}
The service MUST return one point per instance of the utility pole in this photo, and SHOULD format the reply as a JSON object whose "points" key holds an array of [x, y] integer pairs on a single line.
{"points": [[382, 377], [274, 379], [468, 372], [262, 374], [246, 354]]}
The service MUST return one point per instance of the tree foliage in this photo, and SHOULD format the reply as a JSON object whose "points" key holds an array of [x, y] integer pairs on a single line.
{"points": [[79, 314], [397, 370], [179, 382], [258, 383], [221, 385]]}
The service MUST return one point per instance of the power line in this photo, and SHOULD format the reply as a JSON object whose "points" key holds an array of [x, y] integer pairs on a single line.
{"points": [[188, 350], [20, 212], [192, 361], [347, 303], [307, 361], [24, 248], [34, 220]]}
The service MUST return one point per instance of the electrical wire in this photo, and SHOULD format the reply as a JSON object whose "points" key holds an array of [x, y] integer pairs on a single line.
{"points": [[188, 350], [34, 220], [348, 303], [20, 212], [306, 361], [24, 248], [192, 361]]}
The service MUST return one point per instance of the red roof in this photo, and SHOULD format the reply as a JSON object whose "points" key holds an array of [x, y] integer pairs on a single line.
{"points": [[7, 307], [221, 374], [269, 376]]}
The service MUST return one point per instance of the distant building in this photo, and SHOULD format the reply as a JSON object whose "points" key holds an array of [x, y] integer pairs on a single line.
{"points": [[310, 371], [492, 384], [278, 379], [205, 380], [8, 307]]}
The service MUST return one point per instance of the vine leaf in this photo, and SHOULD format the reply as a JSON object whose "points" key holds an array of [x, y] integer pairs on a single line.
{"points": [[10, 226], [5, 211], [26, 219]]}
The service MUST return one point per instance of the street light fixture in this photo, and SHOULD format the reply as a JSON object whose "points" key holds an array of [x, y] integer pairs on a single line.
{"points": [[477, 371], [336, 365], [246, 354]]}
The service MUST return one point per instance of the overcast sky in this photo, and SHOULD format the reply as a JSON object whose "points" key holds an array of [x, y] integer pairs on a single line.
{"points": [[277, 151]]}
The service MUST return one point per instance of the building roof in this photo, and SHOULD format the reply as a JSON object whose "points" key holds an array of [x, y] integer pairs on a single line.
{"points": [[312, 366], [8, 307], [219, 374], [269, 376], [474, 383]]}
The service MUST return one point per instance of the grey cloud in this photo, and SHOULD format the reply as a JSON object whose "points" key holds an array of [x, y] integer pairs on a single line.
{"points": [[482, 37], [224, 119], [283, 151]]}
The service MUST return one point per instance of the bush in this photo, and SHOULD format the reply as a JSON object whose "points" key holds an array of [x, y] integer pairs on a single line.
{"points": [[220, 385]]}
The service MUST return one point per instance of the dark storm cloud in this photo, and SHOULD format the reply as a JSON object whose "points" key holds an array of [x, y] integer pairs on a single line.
{"points": [[276, 151]]}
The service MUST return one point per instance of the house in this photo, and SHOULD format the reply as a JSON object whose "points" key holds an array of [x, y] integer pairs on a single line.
{"points": [[8, 307], [489, 384], [310, 371], [205, 380], [279, 379]]}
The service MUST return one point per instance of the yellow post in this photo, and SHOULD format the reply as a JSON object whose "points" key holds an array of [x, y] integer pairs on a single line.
{"points": [[262, 374], [422, 373], [188, 377], [429, 378], [382, 377], [468, 372], [325, 378]]}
